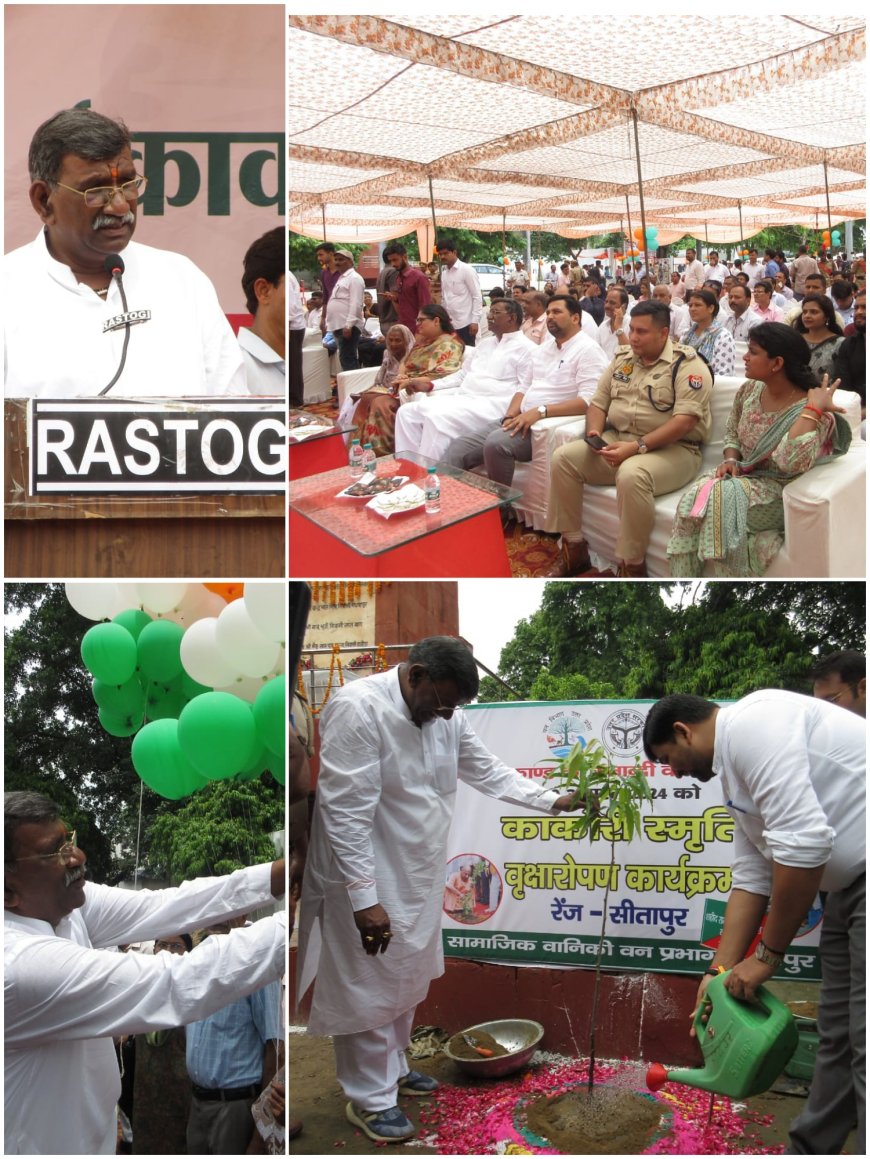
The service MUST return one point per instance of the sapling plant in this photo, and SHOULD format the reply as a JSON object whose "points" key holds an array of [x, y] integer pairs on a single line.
{"points": [[609, 805]]}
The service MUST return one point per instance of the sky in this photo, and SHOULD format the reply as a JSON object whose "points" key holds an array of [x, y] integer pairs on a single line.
{"points": [[489, 611]]}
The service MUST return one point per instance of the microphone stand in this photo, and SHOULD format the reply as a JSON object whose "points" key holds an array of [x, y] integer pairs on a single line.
{"points": [[116, 270]]}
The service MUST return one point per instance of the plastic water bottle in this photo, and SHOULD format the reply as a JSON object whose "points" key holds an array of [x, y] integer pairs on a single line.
{"points": [[356, 459], [369, 459], [432, 491]]}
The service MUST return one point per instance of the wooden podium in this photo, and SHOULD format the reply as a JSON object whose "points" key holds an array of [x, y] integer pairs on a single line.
{"points": [[74, 536]]}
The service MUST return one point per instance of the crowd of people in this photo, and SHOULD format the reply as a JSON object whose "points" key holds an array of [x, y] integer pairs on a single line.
{"points": [[465, 383]]}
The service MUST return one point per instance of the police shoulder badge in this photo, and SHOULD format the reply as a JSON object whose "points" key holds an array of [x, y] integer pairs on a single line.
{"points": [[695, 381]]}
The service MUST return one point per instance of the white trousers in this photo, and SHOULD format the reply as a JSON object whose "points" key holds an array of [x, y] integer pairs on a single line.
{"points": [[432, 425], [369, 1065]]}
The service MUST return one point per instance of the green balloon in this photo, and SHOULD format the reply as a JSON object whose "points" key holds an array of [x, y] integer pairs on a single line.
{"points": [[159, 761], [256, 766], [133, 619], [120, 699], [164, 702], [217, 734], [270, 713], [109, 653], [191, 687], [119, 725], [158, 650], [276, 766]]}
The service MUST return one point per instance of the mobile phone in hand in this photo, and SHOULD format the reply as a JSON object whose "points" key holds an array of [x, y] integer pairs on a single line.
{"points": [[595, 441]]}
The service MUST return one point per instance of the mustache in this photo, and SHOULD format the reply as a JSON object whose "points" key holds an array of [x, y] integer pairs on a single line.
{"points": [[104, 221], [73, 875]]}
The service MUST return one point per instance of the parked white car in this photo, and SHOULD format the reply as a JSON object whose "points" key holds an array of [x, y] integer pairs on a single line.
{"points": [[489, 275]]}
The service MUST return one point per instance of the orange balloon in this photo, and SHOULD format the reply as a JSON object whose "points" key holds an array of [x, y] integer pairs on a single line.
{"points": [[638, 233], [228, 592]]}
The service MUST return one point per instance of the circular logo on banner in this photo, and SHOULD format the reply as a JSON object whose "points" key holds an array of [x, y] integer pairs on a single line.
{"points": [[565, 729], [472, 888], [623, 731]]}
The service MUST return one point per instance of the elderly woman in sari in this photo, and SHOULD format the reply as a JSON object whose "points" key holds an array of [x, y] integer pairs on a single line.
{"points": [[436, 353], [781, 424], [354, 412]]}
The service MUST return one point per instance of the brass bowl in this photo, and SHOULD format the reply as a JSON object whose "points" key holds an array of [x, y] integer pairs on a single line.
{"points": [[519, 1036]]}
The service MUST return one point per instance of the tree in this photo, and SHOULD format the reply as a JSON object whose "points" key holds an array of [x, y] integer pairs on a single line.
{"points": [[642, 641], [222, 827]]}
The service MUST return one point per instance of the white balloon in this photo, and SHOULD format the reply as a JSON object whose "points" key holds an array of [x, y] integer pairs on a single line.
{"points": [[201, 657], [246, 688], [266, 604], [160, 598], [241, 642], [94, 601], [198, 603]]}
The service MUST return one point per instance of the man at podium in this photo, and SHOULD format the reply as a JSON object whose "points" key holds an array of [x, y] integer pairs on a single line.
{"points": [[88, 311]]}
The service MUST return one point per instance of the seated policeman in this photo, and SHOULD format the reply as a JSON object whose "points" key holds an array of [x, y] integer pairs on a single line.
{"points": [[263, 345], [59, 293], [652, 410]]}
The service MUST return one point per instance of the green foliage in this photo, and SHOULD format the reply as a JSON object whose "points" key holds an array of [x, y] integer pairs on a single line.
{"points": [[222, 827], [641, 641], [603, 795]]}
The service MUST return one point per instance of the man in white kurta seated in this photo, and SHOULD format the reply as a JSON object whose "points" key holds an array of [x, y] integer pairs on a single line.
{"points": [[393, 748], [67, 994], [63, 308], [263, 344], [497, 367], [680, 320]]}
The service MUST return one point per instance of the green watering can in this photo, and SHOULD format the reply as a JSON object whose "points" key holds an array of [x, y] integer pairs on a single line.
{"points": [[745, 1044]]}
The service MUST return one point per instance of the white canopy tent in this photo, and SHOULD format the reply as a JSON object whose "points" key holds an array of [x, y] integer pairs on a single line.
{"points": [[398, 123]]}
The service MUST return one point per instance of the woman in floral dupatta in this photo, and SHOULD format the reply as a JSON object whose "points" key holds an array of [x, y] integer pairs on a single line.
{"points": [[436, 353], [781, 424]]}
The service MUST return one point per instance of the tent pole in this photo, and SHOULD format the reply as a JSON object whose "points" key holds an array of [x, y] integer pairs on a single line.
{"points": [[630, 236], [827, 192], [740, 214], [434, 223], [323, 215], [640, 190], [503, 246]]}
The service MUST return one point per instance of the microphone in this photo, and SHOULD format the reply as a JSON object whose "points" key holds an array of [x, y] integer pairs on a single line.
{"points": [[114, 267]]}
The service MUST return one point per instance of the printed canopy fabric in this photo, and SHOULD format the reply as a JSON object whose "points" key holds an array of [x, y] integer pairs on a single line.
{"points": [[527, 122]]}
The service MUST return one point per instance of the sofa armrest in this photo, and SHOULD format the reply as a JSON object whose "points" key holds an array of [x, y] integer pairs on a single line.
{"points": [[825, 521], [354, 382]]}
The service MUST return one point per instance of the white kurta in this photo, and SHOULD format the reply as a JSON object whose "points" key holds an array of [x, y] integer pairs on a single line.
{"points": [[65, 999], [489, 378], [53, 329], [385, 798], [793, 776]]}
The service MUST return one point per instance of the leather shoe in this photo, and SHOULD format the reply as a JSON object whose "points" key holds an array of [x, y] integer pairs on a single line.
{"points": [[633, 570], [573, 559]]}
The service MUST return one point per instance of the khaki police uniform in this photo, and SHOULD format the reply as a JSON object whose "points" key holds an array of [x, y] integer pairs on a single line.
{"points": [[637, 400]]}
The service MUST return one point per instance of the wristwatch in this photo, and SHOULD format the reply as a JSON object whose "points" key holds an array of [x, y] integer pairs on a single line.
{"points": [[642, 448], [620, 331], [542, 411], [768, 956]]}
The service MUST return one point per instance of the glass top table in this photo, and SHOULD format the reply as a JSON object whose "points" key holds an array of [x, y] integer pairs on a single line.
{"points": [[303, 426], [464, 496]]}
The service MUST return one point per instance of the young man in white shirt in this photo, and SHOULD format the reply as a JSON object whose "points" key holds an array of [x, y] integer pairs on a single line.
{"points": [[460, 291], [693, 274], [793, 773], [263, 344], [344, 310]]}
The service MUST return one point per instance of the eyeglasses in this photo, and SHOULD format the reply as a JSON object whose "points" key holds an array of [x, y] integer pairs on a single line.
{"points": [[66, 853], [103, 195], [442, 710], [171, 947]]}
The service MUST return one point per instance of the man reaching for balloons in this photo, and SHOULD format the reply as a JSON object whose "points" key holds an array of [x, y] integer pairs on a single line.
{"points": [[67, 994]]}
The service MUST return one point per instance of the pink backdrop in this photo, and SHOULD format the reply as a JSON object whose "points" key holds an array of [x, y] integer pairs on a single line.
{"points": [[201, 88]]}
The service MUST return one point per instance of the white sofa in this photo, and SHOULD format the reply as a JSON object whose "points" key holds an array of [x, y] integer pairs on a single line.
{"points": [[356, 381], [318, 367], [824, 509]]}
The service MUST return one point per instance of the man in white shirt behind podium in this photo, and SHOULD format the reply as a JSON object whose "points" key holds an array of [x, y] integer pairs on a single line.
{"points": [[65, 332], [264, 342]]}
